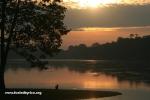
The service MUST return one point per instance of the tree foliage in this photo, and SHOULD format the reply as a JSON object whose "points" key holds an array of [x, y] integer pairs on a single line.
{"points": [[33, 26], [135, 48]]}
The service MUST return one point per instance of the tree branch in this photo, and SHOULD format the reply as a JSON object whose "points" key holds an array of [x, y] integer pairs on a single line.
{"points": [[12, 28], [3, 32]]}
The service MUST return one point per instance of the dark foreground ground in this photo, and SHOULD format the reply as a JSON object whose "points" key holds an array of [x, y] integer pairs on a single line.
{"points": [[50, 94]]}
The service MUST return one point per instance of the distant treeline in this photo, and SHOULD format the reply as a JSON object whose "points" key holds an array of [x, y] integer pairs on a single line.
{"points": [[132, 48]]}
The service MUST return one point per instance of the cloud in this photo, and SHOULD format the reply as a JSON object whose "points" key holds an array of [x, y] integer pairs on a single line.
{"points": [[106, 29], [109, 16], [76, 4]]}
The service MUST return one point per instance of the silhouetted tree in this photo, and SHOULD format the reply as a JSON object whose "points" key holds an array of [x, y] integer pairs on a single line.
{"points": [[131, 35], [136, 35], [136, 48], [29, 26], [95, 45]]}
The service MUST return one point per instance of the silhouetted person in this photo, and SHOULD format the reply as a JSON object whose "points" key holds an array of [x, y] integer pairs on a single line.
{"points": [[57, 87]]}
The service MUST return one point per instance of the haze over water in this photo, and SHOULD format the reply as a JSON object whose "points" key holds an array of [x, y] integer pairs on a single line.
{"points": [[77, 74]]}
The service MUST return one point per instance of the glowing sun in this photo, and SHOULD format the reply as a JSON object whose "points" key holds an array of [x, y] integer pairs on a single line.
{"points": [[94, 3]]}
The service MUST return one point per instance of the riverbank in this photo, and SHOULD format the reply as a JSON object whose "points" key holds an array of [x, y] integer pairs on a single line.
{"points": [[51, 94]]}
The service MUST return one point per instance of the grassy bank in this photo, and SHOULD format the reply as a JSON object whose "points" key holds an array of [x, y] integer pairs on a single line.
{"points": [[50, 94]]}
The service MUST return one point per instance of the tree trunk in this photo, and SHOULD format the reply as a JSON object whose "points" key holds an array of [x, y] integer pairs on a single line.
{"points": [[2, 82], [3, 58]]}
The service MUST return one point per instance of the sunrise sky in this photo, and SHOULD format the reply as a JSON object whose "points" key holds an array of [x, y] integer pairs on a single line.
{"points": [[105, 20]]}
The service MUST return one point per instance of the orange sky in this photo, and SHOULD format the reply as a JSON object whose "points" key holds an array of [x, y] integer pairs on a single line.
{"points": [[101, 36], [97, 3], [120, 18]]}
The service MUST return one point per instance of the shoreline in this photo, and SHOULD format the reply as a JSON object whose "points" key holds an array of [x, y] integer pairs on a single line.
{"points": [[61, 94]]}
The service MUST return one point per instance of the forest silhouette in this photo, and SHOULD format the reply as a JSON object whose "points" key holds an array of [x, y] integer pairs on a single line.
{"points": [[131, 48]]}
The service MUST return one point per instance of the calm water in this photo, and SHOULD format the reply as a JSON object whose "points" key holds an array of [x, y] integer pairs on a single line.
{"points": [[130, 78]]}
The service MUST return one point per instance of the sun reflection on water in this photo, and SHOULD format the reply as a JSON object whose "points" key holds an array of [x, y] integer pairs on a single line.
{"points": [[66, 78]]}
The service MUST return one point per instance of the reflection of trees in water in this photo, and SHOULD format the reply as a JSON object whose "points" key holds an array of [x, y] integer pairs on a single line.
{"points": [[132, 71], [23, 64]]}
